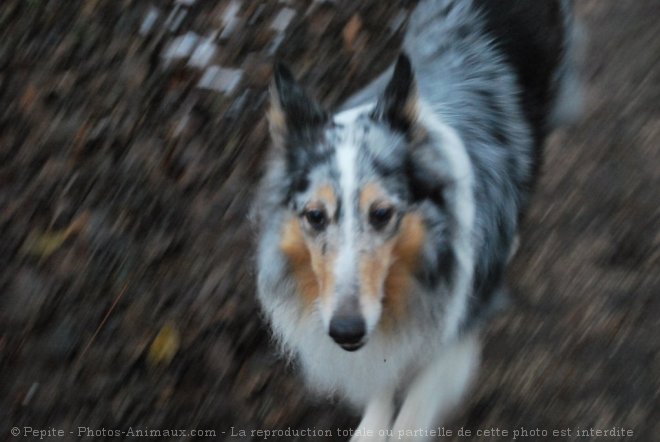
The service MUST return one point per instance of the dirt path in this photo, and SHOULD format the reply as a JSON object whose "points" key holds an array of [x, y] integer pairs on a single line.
{"points": [[126, 168]]}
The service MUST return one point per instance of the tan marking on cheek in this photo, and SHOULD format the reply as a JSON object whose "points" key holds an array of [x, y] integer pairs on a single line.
{"points": [[323, 266], [374, 269], [311, 268], [405, 258], [410, 239], [294, 247], [395, 305]]}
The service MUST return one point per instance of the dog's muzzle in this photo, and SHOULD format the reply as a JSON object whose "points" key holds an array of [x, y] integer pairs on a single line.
{"points": [[348, 331]]}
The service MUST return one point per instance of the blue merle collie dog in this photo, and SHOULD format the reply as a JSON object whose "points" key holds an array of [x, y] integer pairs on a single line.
{"points": [[385, 227]]}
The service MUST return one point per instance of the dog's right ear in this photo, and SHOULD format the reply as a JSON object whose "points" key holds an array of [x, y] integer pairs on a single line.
{"points": [[291, 110], [398, 105]]}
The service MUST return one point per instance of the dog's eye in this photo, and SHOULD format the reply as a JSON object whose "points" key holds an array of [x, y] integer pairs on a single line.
{"points": [[316, 218], [380, 216]]}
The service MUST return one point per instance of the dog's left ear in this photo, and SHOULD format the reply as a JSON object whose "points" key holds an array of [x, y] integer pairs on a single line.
{"points": [[291, 110], [398, 106]]}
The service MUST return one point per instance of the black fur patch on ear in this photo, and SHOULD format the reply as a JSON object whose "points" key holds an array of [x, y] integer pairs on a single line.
{"points": [[398, 104], [291, 109]]}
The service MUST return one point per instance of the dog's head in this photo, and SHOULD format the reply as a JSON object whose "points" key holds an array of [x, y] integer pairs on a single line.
{"points": [[363, 203]]}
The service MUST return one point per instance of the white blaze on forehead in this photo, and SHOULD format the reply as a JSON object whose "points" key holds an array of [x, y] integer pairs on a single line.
{"points": [[348, 182], [346, 262], [346, 274]]}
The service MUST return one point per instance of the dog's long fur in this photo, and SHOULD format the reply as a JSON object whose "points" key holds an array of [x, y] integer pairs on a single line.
{"points": [[389, 224]]}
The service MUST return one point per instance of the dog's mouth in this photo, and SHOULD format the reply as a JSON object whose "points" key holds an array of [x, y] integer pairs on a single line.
{"points": [[352, 346]]}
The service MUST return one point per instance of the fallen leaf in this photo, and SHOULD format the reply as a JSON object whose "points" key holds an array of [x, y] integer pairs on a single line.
{"points": [[44, 244], [165, 345]]}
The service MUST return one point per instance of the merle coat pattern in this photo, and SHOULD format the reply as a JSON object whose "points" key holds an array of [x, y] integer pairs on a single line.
{"points": [[385, 228]]}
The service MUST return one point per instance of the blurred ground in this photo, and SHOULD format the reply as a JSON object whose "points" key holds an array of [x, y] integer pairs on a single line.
{"points": [[131, 137]]}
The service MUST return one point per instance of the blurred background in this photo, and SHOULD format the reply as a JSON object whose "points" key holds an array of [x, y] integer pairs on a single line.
{"points": [[132, 134]]}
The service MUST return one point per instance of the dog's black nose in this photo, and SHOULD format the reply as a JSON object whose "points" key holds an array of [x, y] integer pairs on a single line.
{"points": [[348, 331]]}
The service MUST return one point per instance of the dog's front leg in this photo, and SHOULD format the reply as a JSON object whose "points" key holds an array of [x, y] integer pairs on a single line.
{"points": [[437, 390], [377, 419]]}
